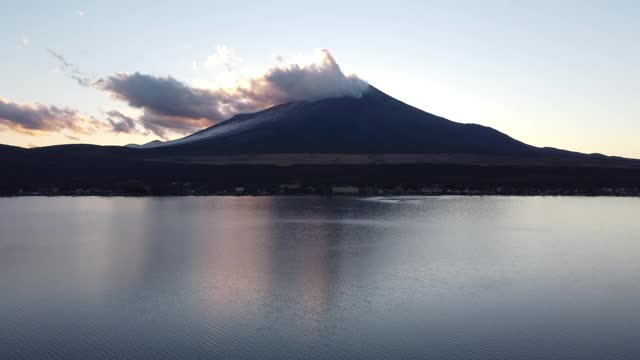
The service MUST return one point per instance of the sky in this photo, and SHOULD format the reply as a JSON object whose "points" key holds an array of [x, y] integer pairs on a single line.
{"points": [[550, 73]]}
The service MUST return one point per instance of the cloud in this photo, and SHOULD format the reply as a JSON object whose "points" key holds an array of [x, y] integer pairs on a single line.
{"points": [[224, 56], [160, 125], [24, 40], [71, 70], [310, 82], [163, 95], [81, 13], [35, 118], [121, 123], [170, 105]]}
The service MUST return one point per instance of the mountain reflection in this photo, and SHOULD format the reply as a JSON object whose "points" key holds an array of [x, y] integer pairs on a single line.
{"points": [[233, 255], [251, 257]]}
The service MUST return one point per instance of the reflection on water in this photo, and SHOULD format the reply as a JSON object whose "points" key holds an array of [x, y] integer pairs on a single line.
{"points": [[307, 277]]}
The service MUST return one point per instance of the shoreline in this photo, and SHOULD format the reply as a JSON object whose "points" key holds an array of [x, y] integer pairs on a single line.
{"points": [[379, 193]]}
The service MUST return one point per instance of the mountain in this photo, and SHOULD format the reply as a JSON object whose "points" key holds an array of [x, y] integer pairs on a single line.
{"points": [[374, 142], [374, 123]]}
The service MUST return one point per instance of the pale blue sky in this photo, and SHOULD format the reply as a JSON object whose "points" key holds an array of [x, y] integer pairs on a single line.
{"points": [[550, 73]]}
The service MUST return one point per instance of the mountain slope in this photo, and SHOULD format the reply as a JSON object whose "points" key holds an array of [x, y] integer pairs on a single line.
{"points": [[374, 123]]}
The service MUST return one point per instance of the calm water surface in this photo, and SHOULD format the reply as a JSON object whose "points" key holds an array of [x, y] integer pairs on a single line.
{"points": [[320, 278]]}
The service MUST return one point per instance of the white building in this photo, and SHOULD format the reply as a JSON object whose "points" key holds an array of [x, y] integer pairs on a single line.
{"points": [[345, 189]]}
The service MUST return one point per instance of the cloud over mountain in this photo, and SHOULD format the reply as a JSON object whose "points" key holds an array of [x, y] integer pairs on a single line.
{"points": [[163, 95], [170, 105], [315, 81]]}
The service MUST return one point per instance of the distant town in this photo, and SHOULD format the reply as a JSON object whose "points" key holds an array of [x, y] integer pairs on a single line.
{"points": [[189, 189]]}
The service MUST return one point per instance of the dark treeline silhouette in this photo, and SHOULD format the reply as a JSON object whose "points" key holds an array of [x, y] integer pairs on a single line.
{"points": [[114, 170]]}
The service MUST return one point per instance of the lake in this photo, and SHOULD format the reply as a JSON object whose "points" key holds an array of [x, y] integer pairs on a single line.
{"points": [[320, 278]]}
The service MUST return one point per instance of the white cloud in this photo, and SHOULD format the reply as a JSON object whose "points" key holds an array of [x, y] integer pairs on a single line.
{"points": [[223, 57]]}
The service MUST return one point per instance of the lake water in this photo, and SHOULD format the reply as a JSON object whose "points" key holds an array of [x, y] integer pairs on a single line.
{"points": [[320, 278]]}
